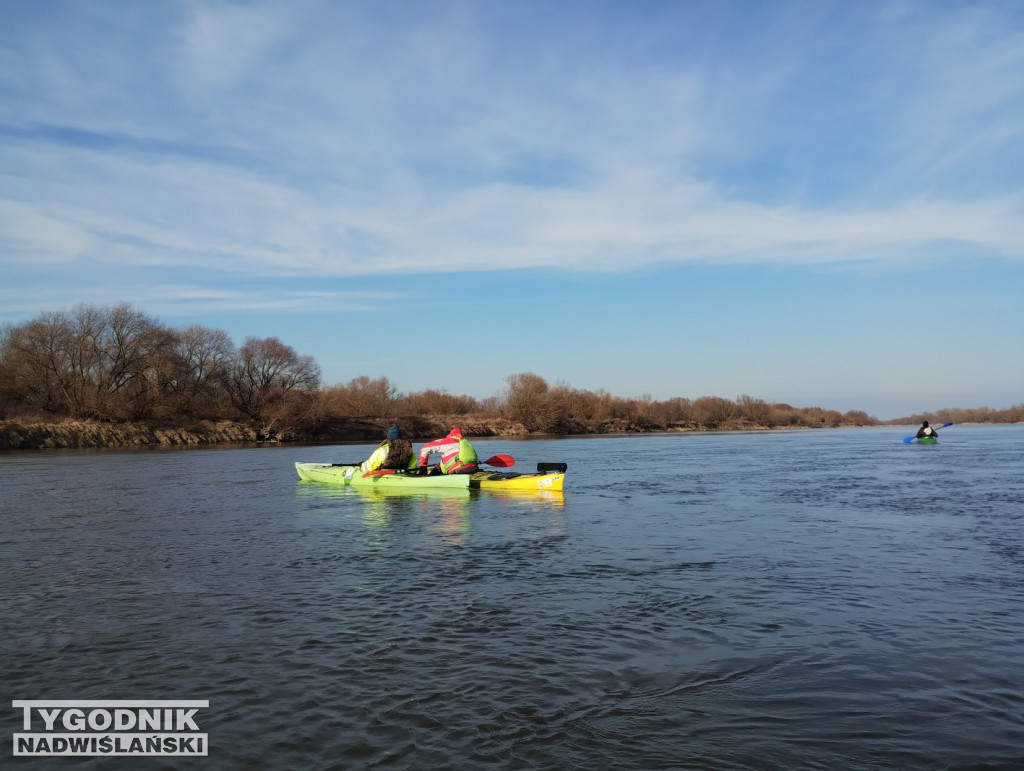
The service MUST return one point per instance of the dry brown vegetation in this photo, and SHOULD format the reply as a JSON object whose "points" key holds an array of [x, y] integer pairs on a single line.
{"points": [[117, 364], [98, 376], [968, 415]]}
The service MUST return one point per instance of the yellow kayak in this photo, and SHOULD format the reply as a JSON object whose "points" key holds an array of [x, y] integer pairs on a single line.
{"points": [[549, 476]]}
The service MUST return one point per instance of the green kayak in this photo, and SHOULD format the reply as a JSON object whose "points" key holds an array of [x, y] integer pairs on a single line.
{"points": [[926, 440], [351, 475], [550, 477]]}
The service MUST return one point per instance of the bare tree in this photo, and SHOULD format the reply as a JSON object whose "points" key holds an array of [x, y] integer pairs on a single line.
{"points": [[89, 362], [713, 411], [433, 402], [45, 365], [136, 363], [270, 383], [529, 401], [755, 410], [201, 357], [362, 397]]}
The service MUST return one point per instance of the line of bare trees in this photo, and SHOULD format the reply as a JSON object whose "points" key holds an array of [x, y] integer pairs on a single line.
{"points": [[1013, 414], [118, 363], [530, 401]]}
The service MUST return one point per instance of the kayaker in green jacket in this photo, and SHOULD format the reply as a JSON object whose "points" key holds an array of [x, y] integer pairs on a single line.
{"points": [[926, 431], [395, 452]]}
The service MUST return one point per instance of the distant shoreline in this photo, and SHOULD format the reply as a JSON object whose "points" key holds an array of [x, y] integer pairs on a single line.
{"points": [[40, 434], [113, 376]]}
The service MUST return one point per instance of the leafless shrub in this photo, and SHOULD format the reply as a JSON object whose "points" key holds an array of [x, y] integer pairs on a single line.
{"points": [[361, 397], [754, 410], [431, 402], [713, 411], [1014, 414], [529, 401]]}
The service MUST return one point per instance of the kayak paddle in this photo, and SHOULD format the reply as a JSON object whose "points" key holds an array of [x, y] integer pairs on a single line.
{"points": [[909, 439], [505, 461], [502, 460]]}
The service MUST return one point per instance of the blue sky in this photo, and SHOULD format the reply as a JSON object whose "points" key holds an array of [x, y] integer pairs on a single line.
{"points": [[814, 202]]}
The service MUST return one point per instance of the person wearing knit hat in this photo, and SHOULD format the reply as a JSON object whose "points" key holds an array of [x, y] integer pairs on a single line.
{"points": [[395, 452], [458, 456]]}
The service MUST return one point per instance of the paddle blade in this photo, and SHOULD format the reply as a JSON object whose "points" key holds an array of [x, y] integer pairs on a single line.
{"points": [[504, 461], [908, 439], [945, 425]]}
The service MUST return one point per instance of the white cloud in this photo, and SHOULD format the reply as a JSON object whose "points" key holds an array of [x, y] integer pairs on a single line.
{"points": [[30, 235], [326, 137], [223, 44]]}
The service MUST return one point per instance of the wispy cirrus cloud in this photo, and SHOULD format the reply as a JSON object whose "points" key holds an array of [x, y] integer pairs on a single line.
{"points": [[360, 139]]}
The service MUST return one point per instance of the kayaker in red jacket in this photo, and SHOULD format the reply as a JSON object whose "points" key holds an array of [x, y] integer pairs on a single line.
{"points": [[458, 456]]}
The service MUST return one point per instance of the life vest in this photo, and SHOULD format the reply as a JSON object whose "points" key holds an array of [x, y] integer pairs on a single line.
{"points": [[464, 459], [457, 454], [389, 455], [399, 453]]}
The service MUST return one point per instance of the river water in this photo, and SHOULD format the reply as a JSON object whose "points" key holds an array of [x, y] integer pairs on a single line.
{"points": [[814, 599]]}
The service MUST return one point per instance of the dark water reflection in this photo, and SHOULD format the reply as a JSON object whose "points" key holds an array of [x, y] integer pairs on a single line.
{"points": [[815, 600]]}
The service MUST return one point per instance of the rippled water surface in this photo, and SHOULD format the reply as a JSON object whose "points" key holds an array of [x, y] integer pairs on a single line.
{"points": [[810, 599]]}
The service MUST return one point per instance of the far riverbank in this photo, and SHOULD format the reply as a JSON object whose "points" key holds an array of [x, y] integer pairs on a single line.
{"points": [[41, 434]]}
